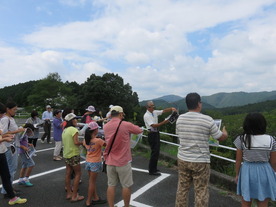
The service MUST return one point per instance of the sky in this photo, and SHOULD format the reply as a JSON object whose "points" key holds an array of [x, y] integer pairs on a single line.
{"points": [[159, 47]]}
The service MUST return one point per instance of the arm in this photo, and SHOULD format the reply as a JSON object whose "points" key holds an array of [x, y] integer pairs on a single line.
{"points": [[159, 124], [169, 109], [6, 138], [20, 129], [43, 116], [224, 134], [238, 163], [76, 139], [272, 160]]}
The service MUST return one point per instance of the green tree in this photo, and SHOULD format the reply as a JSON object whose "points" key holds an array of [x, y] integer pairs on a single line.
{"points": [[101, 91], [51, 90]]}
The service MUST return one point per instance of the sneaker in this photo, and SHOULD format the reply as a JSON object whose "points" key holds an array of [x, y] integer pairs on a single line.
{"points": [[50, 142], [21, 182], [59, 157], [18, 200], [42, 141], [34, 154], [28, 184]]}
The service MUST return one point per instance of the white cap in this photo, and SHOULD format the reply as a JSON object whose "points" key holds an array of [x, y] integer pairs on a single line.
{"points": [[70, 116], [91, 108], [117, 109], [110, 106], [48, 106]]}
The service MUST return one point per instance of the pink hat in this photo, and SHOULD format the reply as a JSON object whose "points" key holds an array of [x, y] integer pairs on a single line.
{"points": [[93, 125]]}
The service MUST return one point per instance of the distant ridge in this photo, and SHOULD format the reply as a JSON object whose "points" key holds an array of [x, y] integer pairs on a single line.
{"points": [[221, 100], [218, 100], [170, 98]]}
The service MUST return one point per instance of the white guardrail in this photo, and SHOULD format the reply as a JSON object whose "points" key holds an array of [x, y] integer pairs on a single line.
{"points": [[213, 155]]}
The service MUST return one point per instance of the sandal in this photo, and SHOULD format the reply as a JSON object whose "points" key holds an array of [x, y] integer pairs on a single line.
{"points": [[68, 197], [78, 198]]}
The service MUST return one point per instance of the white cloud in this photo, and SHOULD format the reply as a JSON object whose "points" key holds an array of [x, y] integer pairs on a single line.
{"points": [[146, 43]]}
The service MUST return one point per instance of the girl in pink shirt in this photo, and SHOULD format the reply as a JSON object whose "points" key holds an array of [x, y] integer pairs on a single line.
{"points": [[93, 163]]}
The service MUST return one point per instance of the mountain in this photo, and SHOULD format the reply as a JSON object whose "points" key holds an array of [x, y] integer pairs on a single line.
{"points": [[169, 98], [222, 100], [218, 100], [179, 105]]}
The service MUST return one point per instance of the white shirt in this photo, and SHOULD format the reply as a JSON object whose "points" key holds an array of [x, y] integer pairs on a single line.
{"points": [[152, 118]]}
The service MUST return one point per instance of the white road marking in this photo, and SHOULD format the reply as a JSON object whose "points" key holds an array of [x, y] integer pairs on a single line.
{"points": [[120, 203], [143, 189]]}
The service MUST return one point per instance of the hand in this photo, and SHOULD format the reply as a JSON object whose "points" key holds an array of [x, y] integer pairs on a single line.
{"points": [[20, 129], [236, 179], [25, 149], [9, 137], [224, 130]]}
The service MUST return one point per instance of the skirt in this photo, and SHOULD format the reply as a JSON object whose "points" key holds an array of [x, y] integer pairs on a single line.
{"points": [[257, 181]]}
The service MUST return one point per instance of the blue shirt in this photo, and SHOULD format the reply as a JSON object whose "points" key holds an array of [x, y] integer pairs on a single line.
{"points": [[47, 115], [57, 129]]}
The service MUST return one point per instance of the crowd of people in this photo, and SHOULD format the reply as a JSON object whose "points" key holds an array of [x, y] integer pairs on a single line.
{"points": [[109, 138]]}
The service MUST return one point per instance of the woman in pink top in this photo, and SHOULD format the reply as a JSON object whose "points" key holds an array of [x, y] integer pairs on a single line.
{"points": [[93, 163]]}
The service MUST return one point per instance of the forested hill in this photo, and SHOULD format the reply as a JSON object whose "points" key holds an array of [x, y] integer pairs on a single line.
{"points": [[266, 106], [222, 100], [218, 100]]}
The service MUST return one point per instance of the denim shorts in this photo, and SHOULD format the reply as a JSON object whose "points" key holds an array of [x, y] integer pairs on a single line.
{"points": [[93, 166], [25, 161]]}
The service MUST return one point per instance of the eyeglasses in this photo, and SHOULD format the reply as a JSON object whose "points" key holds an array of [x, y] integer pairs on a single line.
{"points": [[151, 106]]}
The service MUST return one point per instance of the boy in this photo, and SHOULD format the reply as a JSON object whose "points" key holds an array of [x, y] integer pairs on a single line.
{"points": [[26, 159]]}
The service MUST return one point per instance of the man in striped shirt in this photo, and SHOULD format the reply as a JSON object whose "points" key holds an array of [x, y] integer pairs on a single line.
{"points": [[194, 130]]}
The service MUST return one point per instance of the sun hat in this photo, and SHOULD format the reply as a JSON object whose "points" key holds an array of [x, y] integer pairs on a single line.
{"points": [[117, 109], [91, 108], [93, 125], [70, 116]]}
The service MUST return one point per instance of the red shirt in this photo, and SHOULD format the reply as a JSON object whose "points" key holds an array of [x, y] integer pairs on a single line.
{"points": [[120, 154]]}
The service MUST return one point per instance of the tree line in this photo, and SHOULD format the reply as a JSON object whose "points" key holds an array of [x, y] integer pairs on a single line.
{"points": [[99, 91]]}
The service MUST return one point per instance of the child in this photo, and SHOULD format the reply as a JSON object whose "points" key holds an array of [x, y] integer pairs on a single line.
{"points": [[57, 127], [37, 122], [93, 161], [27, 161], [256, 178], [71, 154]]}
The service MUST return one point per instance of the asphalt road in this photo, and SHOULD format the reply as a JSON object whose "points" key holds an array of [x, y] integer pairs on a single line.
{"points": [[147, 191]]}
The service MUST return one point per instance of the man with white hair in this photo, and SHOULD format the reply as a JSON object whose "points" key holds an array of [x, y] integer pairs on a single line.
{"points": [[47, 117], [151, 122]]}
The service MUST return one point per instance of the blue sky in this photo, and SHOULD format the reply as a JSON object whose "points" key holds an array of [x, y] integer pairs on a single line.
{"points": [[159, 47]]}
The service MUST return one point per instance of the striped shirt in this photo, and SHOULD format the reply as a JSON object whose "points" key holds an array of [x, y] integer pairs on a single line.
{"points": [[194, 130], [261, 147]]}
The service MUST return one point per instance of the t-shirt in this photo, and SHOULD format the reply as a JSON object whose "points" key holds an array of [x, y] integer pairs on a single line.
{"points": [[69, 147], [194, 130], [94, 150], [3, 147], [261, 147], [8, 124], [23, 142], [57, 129]]}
